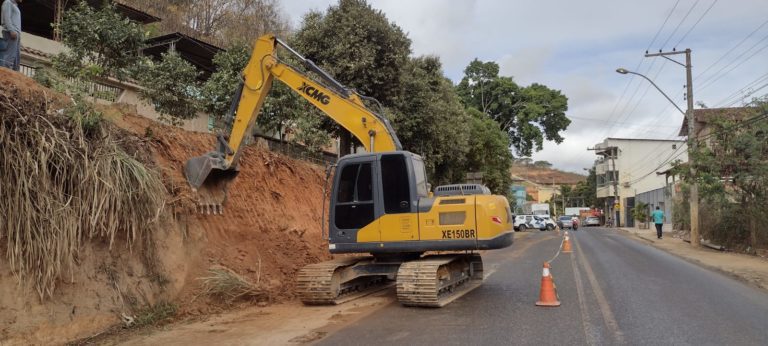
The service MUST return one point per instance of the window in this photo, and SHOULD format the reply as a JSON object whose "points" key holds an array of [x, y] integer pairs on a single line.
{"points": [[347, 183], [354, 207], [395, 185], [421, 178], [365, 183]]}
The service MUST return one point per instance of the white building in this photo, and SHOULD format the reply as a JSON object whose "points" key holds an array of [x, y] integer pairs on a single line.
{"points": [[627, 167]]}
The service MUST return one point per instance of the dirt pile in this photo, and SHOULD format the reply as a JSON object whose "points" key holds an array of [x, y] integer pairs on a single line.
{"points": [[269, 230]]}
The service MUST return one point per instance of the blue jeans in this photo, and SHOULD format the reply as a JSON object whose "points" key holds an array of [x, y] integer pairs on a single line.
{"points": [[658, 229], [10, 56]]}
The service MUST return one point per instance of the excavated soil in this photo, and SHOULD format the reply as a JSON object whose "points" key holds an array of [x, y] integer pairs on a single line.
{"points": [[269, 230], [271, 222]]}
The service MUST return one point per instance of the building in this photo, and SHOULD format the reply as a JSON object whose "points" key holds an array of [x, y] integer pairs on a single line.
{"points": [[41, 42], [628, 167]]}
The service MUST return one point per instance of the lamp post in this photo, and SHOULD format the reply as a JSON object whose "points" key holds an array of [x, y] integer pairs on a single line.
{"points": [[625, 71], [692, 144]]}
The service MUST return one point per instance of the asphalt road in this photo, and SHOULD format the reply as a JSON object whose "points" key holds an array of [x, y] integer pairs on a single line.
{"points": [[613, 289]]}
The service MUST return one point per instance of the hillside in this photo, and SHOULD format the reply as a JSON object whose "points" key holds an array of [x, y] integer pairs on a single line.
{"points": [[270, 227], [546, 176]]}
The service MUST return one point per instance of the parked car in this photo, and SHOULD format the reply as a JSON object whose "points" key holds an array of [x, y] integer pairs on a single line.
{"points": [[565, 222], [540, 222], [592, 221], [549, 224]]}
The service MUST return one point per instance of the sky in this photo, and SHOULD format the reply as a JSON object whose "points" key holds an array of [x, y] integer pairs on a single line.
{"points": [[576, 46]]}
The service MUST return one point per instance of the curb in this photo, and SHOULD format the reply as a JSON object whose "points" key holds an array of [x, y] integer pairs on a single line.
{"points": [[638, 236]]}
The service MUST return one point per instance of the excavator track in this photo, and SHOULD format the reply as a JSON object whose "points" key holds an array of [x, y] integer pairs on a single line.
{"points": [[335, 282], [435, 281]]}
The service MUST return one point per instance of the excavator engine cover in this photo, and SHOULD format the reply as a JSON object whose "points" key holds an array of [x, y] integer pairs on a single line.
{"points": [[210, 177]]}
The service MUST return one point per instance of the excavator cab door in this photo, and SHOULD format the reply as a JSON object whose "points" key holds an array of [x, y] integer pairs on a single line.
{"points": [[399, 221], [352, 203]]}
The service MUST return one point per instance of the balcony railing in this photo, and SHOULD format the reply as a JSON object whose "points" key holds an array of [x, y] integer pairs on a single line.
{"points": [[28, 71]]}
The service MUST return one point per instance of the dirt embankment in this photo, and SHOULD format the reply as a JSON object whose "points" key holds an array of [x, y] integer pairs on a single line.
{"points": [[270, 228]]}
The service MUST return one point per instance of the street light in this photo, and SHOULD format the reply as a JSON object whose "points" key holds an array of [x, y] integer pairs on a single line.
{"points": [[625, 71]]}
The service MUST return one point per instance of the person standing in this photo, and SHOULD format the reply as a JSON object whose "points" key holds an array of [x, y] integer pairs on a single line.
{"points": [[10, 20], [658, 220]]}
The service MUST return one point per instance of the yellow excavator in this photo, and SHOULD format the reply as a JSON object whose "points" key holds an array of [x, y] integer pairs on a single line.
{"points": [[426, 243]]}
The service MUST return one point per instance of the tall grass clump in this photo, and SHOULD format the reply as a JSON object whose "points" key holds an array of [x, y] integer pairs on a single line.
{"points": [[64, 179]]}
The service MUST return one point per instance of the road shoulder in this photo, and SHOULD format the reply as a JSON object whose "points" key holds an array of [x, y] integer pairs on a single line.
{"points": [[752, 270]]}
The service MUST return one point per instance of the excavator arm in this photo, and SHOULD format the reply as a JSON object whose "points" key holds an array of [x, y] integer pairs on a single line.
{"points": [[211, 174]]}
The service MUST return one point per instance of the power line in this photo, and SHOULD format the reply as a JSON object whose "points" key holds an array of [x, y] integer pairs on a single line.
{"points": [[639, 63], [616, 122], [639, 100], [695, 24], [713, 79], [662, 26], [747, 122], [748, 95], [731, 50], [679, 24], [736, 94]]}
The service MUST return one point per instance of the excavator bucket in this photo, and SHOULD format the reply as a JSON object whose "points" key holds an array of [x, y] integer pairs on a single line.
{"points": [[210, 177]]}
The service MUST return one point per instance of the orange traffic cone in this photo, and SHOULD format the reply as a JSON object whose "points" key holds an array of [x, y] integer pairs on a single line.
{"points": [[567, 244], [548, 295]]}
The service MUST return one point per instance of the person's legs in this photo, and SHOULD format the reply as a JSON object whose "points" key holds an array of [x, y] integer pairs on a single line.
{"points": [[658, 230], [10, 56], [17, 60]]}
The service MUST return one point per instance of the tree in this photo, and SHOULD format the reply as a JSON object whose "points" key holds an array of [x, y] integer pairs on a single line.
{"points": [[359, 47], [528, 114], [171, 86], [101, 41], [221, 22], [219, 90], [430, 120], [489, 152], [542, 164], [732, 173]]}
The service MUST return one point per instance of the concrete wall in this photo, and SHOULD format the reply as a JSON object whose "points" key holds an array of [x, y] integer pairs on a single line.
{"points": [[661, 197]]}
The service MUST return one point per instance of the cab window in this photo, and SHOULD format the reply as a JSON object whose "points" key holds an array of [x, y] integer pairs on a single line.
{"points": [[395, 184], [354, 200]]}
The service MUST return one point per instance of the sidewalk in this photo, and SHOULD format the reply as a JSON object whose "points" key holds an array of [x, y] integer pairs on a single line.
{"points": [[750, 269]]}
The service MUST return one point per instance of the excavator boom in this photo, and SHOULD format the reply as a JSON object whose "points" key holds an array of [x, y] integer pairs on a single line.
{"points": [[211, 174]]}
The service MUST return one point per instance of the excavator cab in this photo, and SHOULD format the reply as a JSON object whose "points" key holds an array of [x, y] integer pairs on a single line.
{"points": [[368, 187], [381, 204]]}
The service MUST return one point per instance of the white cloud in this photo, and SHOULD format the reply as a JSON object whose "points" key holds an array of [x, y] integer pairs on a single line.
{"points": [[575, 46]]}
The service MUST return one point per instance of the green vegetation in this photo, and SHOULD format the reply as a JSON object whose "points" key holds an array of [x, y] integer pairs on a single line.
{"points": [[527, 114], [74, 184], [227, 285], [732, 173], [171, 85], [100, 41], [471, 127], [640, 212], [154, 314]]}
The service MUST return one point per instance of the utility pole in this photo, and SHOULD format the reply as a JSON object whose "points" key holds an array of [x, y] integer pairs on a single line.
{"points": [[692, 143]]}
